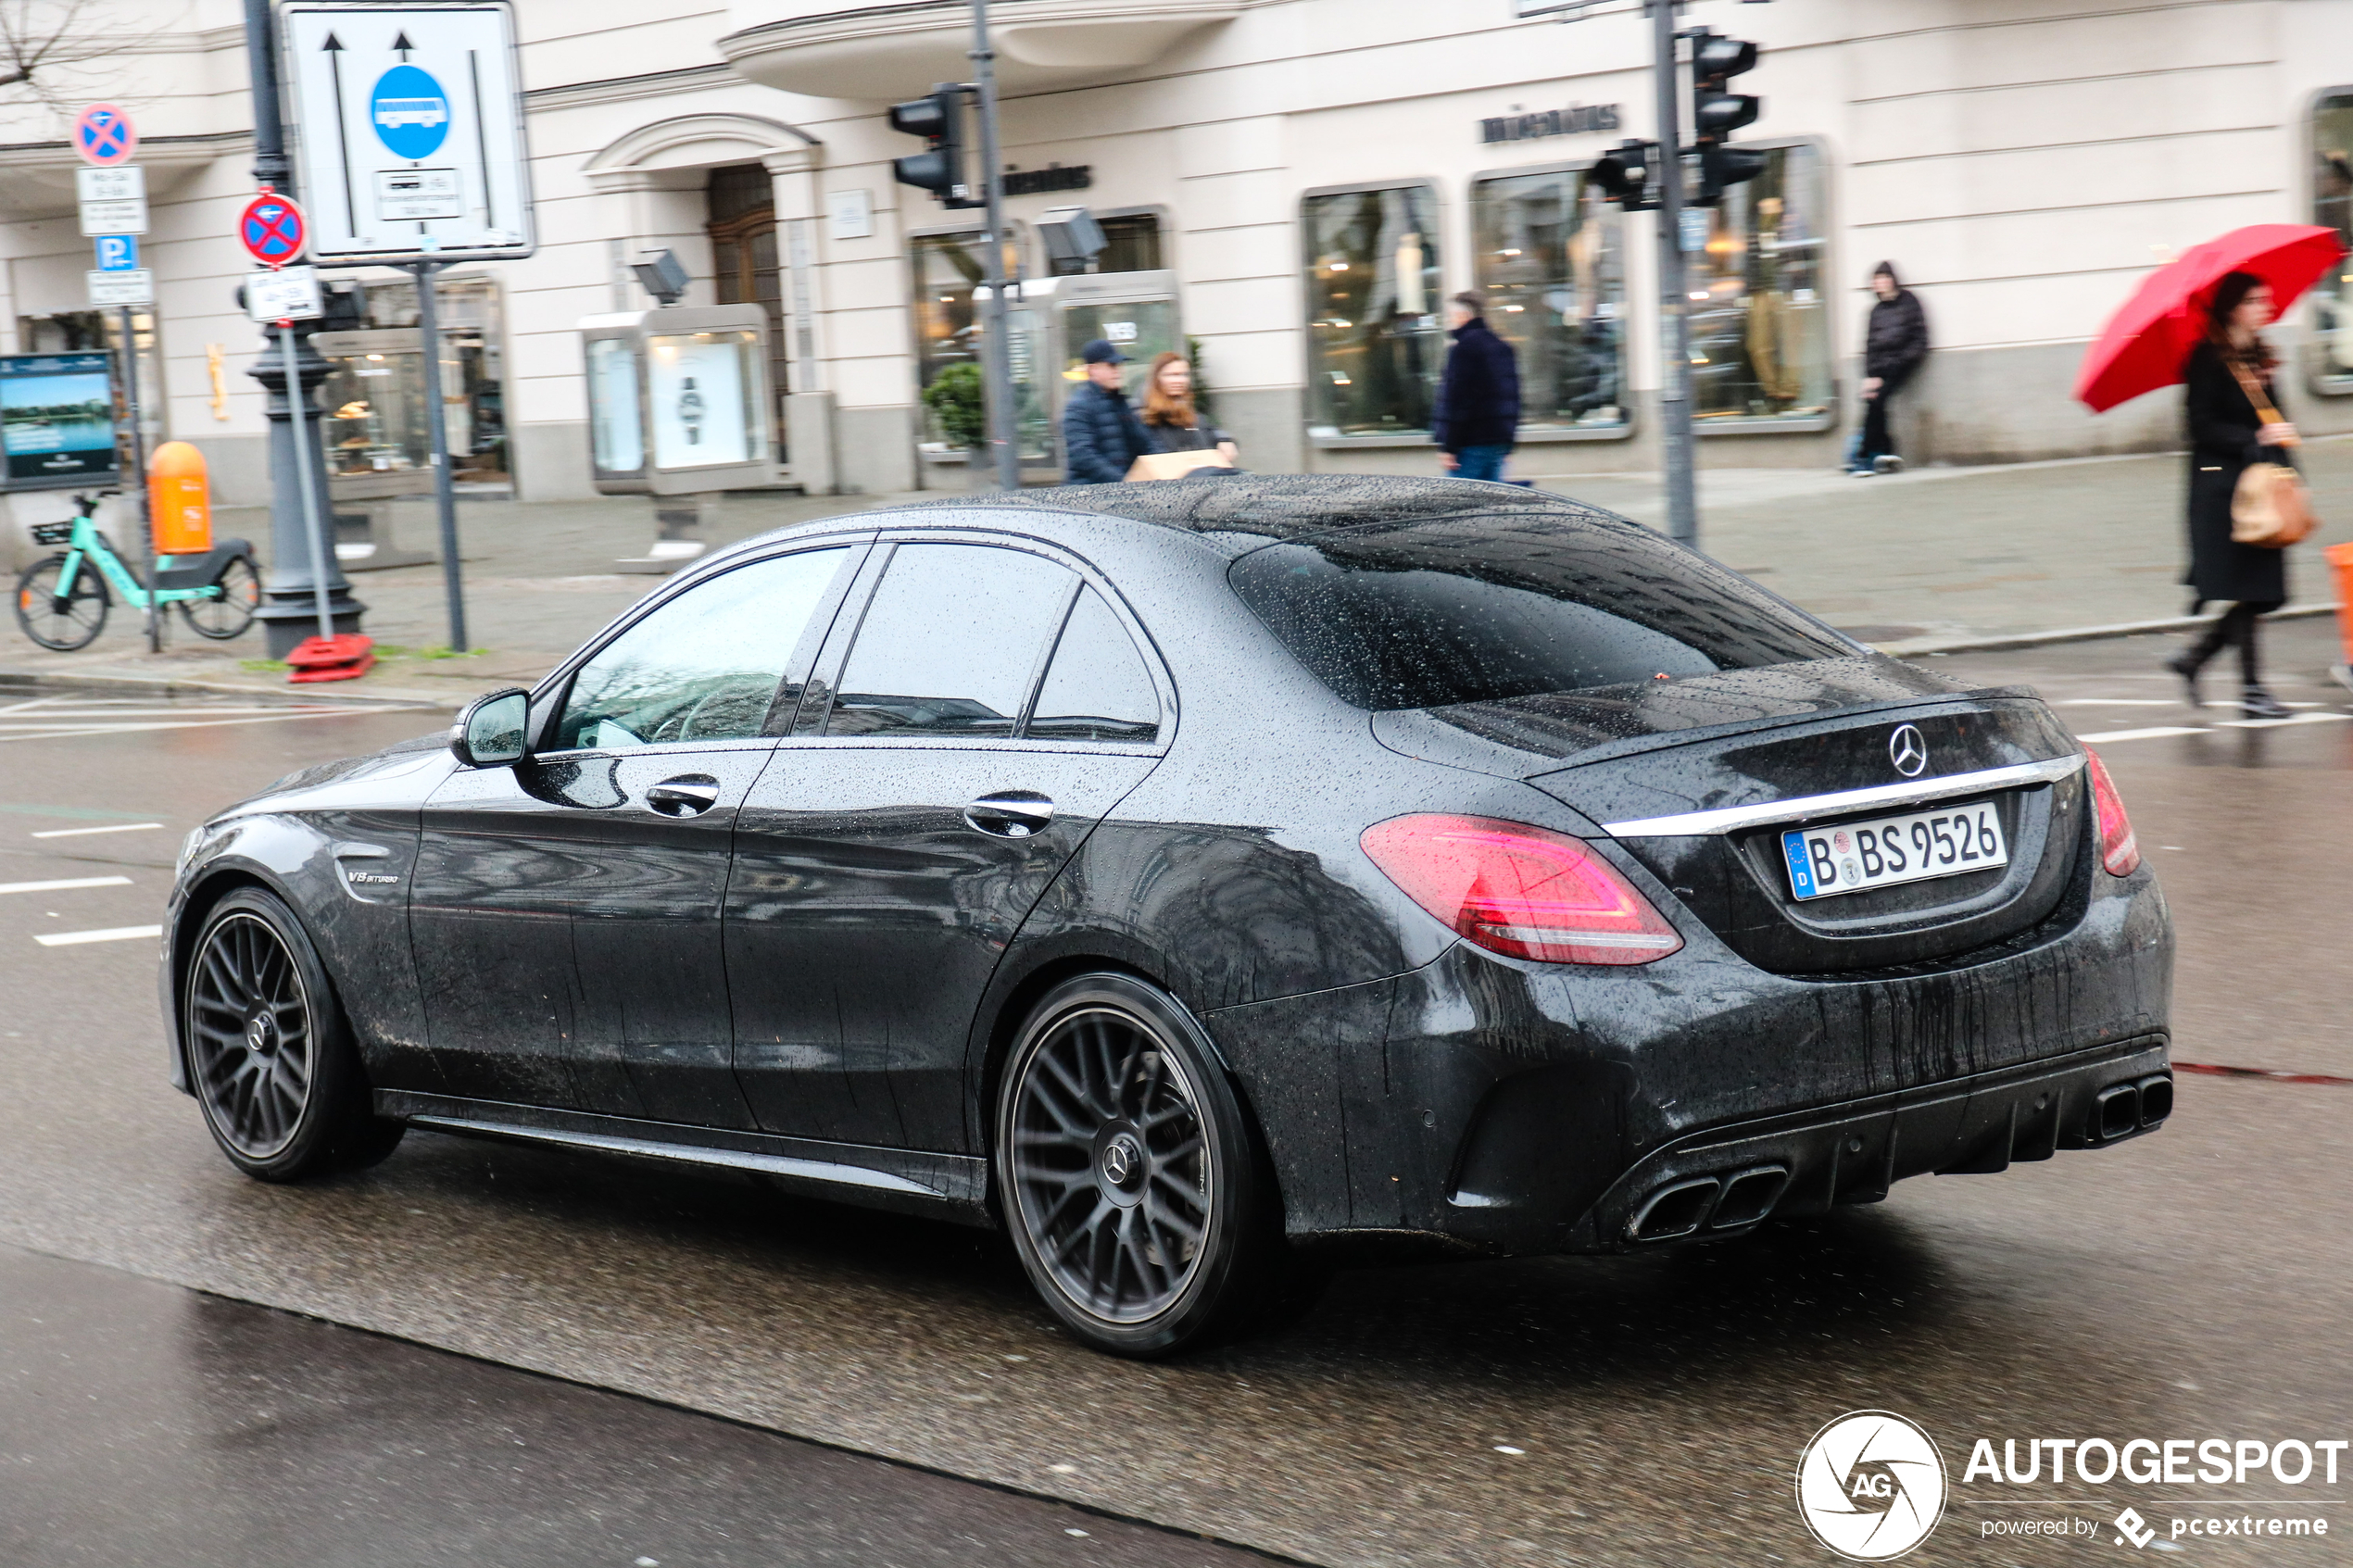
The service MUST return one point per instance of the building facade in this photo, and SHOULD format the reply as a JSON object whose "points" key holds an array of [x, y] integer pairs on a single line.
{"points": [[1293, 185]]}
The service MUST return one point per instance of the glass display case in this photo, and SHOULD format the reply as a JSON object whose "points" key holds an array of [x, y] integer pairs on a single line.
{"points": [[678, 399]]}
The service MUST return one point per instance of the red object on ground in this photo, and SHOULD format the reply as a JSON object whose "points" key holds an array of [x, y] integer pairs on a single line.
{"points": [[2145, 344], [2340, 559], [344, 657]]}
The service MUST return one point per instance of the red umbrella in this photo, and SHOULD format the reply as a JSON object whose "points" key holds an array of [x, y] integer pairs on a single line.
{"points": [[2146, 343]]}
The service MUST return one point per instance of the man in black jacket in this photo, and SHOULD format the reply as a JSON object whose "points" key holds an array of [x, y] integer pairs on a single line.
{"points": [[1101, 435], [1895, 342], [1477, 418]]}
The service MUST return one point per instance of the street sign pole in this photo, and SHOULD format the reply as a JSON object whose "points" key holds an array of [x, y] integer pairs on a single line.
{"points": [[1003, 441], [322, 545], [444, 497], [137, 481]]}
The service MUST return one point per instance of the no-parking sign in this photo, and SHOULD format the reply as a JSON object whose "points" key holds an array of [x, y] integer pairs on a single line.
{"points": [[104, 135], [271, 230]]}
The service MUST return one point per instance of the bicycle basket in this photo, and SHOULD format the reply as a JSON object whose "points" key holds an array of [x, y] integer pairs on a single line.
{"points": [[53, 534]]}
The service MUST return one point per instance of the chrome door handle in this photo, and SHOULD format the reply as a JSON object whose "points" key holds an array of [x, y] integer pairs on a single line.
{"points": [[1009, 813], [688, 796]]}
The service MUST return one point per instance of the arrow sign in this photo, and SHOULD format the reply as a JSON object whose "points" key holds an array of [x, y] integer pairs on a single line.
{"points": [[271, 230], [401, 47], [104, 135]]}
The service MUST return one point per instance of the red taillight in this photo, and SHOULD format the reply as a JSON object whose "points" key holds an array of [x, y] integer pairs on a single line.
{"points": [[2119, 852], [1519, 890]]}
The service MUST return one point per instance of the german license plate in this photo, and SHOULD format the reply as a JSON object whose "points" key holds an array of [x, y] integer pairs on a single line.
{"points": [[1855, 857]]}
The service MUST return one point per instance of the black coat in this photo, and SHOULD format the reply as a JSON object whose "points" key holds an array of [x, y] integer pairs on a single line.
{"points": [[1479, 397], [1102, 436], [1896, 340], [2222, 426], [1199, 436]]}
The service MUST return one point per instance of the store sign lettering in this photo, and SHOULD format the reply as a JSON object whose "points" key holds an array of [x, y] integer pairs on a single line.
{"points": [[1575, 121], [1035, 182]]}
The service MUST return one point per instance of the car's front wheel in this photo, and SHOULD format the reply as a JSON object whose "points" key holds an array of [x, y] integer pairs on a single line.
{"points": [[270, 1052], [1131, 1181]]}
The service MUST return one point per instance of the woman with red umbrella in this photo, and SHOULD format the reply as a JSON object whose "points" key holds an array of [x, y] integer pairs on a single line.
{"points": [[2199, 320], [2226, 434]]}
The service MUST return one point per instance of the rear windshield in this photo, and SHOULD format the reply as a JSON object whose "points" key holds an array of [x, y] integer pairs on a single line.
{"points": [[1473, 610]]}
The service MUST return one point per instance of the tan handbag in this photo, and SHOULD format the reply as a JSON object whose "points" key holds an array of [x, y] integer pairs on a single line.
{"points": [[1175, 465], [2271, 507]]}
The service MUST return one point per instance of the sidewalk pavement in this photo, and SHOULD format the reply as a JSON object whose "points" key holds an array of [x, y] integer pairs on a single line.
{"points": [[1938, 559]]}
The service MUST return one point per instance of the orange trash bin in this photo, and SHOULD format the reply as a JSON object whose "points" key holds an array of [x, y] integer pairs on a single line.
{"points": [[180, 500]]}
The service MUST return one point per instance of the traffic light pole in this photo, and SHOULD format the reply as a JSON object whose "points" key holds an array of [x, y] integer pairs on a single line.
{"points": [[996, 350], [1674, 304]]}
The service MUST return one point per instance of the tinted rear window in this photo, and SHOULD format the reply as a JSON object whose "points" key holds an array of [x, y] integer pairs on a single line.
{"points": [[1476, 610]]}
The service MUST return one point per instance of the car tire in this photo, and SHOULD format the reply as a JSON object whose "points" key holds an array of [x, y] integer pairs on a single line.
{"points": [[1136, 1192], [270, 1054]]}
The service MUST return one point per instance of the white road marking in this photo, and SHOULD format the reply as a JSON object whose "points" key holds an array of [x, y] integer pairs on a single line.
{"points": [[2157, 732], [79, 833], [2299, 718], [61, 886], [116, 934]]}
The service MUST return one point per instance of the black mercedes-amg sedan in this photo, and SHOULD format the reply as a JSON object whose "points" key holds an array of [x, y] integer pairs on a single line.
{"points": [[1204, 882]]}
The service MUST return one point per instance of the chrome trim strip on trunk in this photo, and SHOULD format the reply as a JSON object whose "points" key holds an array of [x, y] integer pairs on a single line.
{"points": [[1804, 807], [687, 1154]]}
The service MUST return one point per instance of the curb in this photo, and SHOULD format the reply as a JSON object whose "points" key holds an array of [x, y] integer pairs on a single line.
{"points": [[1921, 647], [387, 699]]}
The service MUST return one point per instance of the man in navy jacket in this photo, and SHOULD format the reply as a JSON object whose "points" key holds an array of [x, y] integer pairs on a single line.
{"points": [[1477, 418], [1101, 434]]}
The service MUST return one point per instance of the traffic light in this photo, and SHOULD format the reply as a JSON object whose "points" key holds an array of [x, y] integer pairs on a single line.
{"points": [[1624, 174], [940, 168], [1716, 113]]}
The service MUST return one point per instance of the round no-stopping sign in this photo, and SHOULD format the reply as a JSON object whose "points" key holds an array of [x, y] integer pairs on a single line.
{"points": [[104, 135], [272, 231]]}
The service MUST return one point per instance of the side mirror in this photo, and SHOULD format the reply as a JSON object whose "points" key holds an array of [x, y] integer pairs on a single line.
{"points": [[489, 731]]}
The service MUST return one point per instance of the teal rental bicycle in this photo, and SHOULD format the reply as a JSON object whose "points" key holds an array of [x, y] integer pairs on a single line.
{"points": [[62, 603]]}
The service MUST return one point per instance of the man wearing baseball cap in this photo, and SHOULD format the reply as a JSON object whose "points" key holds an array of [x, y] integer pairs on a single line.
{"points": [[1101, 435]]}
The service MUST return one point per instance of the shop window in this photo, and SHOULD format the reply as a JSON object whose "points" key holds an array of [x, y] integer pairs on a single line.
{"points": [[742, 201], [948, 269], [1759, 329], [1132, 244], [1550, 262], [2331, 345], [375, 399], [1375, 340]]}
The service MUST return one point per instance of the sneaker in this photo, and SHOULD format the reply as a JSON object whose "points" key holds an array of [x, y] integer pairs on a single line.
{"points": [[2343, 675], [1862, 473], [2181, 664], [2259, 704], [1890, 463]]}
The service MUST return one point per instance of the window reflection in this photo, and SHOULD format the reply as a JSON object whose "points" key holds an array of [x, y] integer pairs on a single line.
{"points": [[1096, 687], [949, 643], [1551, 260], [1760, 338], [1375, 341], [705, 666]]}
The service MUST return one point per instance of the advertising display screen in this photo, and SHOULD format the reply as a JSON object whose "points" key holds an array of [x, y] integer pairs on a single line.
{"points": [[57, 415], [701, 396]]}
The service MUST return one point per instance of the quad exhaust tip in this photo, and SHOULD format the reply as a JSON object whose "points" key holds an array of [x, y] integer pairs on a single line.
{"points": [[2121, 1110], [1718, 1203]]}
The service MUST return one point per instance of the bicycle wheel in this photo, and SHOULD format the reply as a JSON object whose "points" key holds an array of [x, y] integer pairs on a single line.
{"points": [[62, 625], [229, 615]]}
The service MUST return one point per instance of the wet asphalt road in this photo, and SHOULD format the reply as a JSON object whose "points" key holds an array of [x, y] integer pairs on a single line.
{"points": [[2189, 1285]]}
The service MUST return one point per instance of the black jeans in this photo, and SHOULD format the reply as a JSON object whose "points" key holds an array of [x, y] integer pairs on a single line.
{"points": [[2237, 625], [1877, 441]]}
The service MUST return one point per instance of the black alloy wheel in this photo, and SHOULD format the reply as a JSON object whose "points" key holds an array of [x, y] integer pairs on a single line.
{"points": [[62, 625], [229, 614], [1133, 1186], [269, 1053]]}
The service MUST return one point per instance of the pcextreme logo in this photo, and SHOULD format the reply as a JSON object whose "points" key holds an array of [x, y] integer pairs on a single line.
{"points": [[1871, 1485]]}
